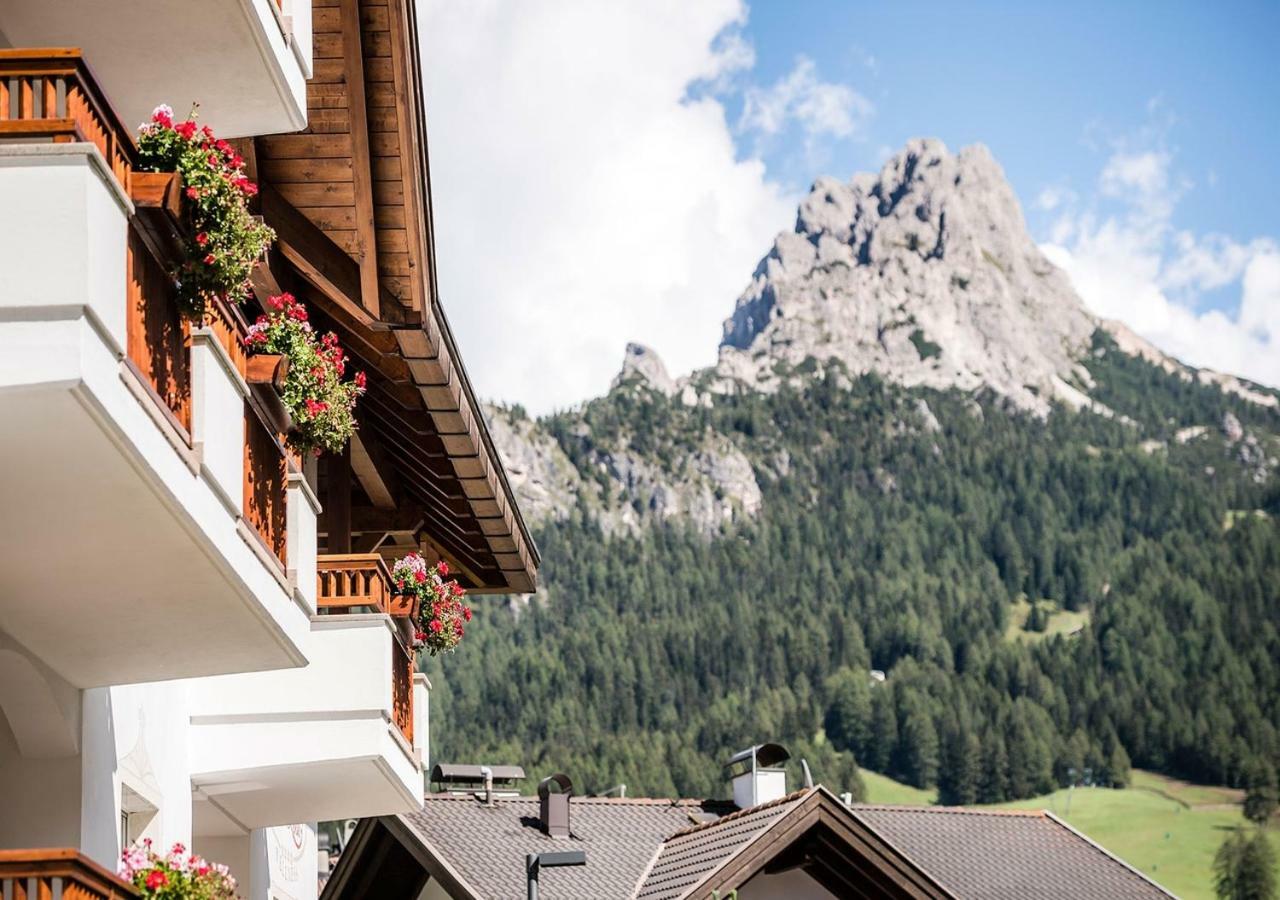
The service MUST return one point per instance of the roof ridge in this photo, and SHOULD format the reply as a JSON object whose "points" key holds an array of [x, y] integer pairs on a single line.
{"points": [[472, 797], [953, 810], [742, 813]]}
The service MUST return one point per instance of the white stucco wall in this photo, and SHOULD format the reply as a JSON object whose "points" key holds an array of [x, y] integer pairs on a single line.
{"points": [[134, 735], [41, 798]]}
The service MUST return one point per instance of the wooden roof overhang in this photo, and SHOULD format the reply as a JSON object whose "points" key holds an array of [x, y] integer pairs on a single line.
{"points": [[349, 199]]}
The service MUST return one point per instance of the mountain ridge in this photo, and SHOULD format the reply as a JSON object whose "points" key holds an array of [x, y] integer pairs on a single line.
{"points": [[923, 274]]}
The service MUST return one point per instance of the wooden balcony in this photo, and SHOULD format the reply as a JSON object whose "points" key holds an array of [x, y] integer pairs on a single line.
{"points": [[361, 582], [44, 874], [50, 95], [357, 582]]}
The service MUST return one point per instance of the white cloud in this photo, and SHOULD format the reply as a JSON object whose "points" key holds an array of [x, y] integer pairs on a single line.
{"points": [[582, 197], [820, 107], [1052, 197], [1134, 266]]}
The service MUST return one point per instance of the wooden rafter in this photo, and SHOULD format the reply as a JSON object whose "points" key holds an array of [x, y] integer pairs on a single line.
{"points": [[377, 480]]}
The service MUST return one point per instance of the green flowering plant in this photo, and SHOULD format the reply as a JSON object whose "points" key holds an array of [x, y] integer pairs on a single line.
{"points": [[176, 876], [224, 241], [321, 402]]}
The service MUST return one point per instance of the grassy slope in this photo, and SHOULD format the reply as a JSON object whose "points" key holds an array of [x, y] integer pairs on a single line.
{"points": [[1166, 828], [883, 789], [1061, 621]]}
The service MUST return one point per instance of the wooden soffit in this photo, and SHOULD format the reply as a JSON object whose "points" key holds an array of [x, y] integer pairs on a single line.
{"points": [[349, 198]]}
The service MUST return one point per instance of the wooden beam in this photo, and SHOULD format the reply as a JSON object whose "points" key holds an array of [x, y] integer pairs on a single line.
{"points": [[316, 257], [337, 507], [375, 479], [368, 519], [361, 165]]}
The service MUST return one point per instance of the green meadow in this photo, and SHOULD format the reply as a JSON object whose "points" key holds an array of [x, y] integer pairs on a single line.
{"points": [[1167, 829]]}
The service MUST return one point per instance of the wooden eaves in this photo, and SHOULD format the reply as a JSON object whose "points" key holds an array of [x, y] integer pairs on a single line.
{"points": [[350, 201]]}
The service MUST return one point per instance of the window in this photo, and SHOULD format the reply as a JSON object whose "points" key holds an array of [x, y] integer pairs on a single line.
{"points": [[137, 815]]}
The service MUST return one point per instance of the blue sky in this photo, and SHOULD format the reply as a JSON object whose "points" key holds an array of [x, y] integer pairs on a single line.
{"points": [[1050, 88], [612, 171]]}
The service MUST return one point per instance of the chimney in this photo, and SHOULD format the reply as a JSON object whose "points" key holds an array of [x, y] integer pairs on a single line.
{"points": [[488, 784], [553, 805], [757, 774]]}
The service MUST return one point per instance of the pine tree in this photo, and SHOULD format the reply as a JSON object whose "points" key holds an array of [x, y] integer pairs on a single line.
{"points": [[959, 774], [1262, 796], [884, 730], [1244, 867]]}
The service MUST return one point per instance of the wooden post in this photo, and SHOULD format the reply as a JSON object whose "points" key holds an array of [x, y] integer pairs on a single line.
{"points": [[337, 505]]}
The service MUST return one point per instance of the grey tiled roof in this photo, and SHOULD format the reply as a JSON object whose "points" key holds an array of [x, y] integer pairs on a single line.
{"points": [[693, 853], [664, 849], [486, 846], [1006, 855]]}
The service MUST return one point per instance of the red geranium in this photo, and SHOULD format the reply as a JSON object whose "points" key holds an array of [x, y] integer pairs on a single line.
{"points": [[441, 610]]}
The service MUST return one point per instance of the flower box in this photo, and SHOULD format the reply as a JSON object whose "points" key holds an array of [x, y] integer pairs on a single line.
{"points": [[403, 606], [157, 190], [267, 368]]}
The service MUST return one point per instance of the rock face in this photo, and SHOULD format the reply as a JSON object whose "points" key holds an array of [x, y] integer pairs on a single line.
{"points": [[642, 365], [924, 273], [709, 486], [544, 480]]}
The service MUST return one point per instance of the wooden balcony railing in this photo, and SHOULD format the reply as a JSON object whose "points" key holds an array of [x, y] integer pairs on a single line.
{"points": [[46, 874], [347, 582], [159, 337], [49, 94], [265, 483], [402, 669]]}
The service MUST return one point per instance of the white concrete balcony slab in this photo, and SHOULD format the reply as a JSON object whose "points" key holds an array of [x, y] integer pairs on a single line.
{"points": [[123, 558], [333, 740], [246, 62]]}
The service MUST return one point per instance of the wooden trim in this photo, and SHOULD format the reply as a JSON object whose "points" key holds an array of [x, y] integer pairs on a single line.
{"points": [[361, 165], [898, 877]]}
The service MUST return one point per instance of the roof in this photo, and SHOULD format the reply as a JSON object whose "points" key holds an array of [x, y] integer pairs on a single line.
{"points": [[485, 846], [350, 201], [692, 853], [694, 850], [1007, 854]]}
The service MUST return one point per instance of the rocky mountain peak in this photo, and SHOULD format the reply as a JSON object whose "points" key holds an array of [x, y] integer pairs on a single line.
{"points": [[641, 363], [924, 273]]}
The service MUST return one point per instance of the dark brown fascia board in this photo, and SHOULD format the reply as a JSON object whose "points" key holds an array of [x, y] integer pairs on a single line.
{"points": [[820, 806], [430, 859]]}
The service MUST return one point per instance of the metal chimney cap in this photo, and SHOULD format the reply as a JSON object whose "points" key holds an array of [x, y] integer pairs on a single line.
{"points": [[455, 773], [561, 780], [765, 755]]}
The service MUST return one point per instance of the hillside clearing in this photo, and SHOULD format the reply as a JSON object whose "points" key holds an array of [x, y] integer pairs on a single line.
{"points": [[1061, 621]]}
